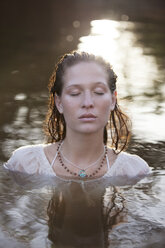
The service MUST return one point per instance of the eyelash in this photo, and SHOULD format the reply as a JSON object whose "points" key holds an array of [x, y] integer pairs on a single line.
{"points": [[97, 93], [75, 94]]}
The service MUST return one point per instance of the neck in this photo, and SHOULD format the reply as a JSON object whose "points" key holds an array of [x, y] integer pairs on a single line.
{"points": [[83, 149]]}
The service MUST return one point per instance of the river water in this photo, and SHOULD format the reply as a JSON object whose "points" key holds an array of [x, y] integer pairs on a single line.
{"points": [[32, 210]]}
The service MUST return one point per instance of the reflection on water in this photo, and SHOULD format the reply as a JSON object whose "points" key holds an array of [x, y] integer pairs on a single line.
{"points": [[50, 212], [140, 80], [26, 128]]}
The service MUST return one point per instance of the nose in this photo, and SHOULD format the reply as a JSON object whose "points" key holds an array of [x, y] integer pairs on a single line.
{"points": [[87, 101]]}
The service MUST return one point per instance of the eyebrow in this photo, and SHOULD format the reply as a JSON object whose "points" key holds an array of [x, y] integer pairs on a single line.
{"points": [[79, 85]]}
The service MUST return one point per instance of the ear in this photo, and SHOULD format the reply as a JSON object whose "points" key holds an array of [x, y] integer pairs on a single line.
{"points": [[58, 103], [114, 97]]}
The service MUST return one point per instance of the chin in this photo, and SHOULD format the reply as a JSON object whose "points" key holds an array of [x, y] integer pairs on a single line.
{"points": [[87, 128], [90, 130]]}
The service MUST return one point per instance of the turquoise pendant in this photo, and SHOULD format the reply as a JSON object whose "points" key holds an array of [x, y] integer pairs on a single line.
{"points": [[82, 173]]}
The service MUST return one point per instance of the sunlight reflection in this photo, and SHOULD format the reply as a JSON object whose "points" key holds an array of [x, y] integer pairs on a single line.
{"points": [[115, 41], [137, 73]]}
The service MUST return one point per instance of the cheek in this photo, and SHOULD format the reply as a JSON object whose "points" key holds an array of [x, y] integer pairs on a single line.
{"points": [[106, 113], [106, 106], [69, 108]]}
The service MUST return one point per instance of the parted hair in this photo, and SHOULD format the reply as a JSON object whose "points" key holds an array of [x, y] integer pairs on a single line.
{"points": [[117, 130]]}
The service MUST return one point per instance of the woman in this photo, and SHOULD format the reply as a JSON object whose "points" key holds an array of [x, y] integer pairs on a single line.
{"points": [[83, 114]]}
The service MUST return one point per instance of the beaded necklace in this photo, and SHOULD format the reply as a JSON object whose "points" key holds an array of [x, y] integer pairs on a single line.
{"points": [[76, 166], [82, 172]]}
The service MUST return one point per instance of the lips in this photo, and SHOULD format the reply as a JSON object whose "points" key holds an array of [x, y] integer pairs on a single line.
{"points": [[88, 117]]}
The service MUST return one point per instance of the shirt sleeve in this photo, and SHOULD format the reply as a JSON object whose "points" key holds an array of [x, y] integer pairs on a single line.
{"points": [[23, 160], [133, 166], [129, 169], [137, 167]]}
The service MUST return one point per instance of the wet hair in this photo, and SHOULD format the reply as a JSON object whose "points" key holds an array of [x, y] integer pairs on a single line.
{"points": [[117, 129]]}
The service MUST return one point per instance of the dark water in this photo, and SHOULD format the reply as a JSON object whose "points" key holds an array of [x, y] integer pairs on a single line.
{"points": [[127, 216]]}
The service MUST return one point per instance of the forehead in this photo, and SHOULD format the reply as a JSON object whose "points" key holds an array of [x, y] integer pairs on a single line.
{"points": [[85, 72]]}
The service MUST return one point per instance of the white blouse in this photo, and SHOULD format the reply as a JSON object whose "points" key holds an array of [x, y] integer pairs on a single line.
{"points": [[32, 160]]}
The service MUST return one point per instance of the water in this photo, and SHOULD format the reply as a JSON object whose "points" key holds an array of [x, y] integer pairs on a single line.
{"points": [[130, 216], [73, 214]]}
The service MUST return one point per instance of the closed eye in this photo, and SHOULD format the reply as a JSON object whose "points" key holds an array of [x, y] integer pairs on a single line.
{"points": [[74, 94], [99, 93]]}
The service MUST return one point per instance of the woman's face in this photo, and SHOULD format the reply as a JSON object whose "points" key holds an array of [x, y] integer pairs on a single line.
{"points": [[86, 100]]}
